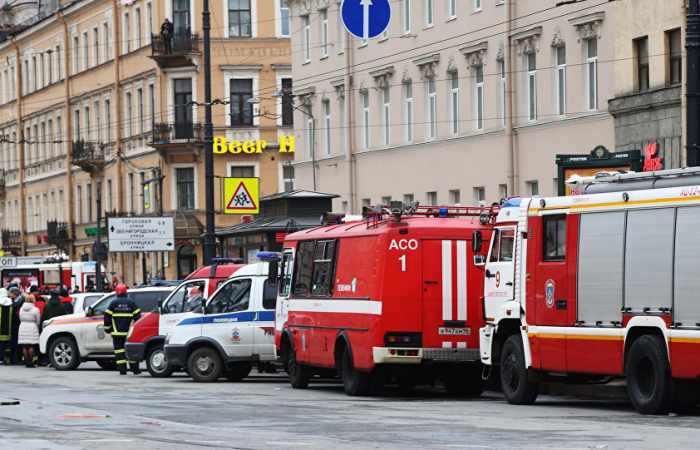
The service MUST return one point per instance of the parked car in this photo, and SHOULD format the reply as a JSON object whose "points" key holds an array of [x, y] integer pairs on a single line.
{"points": [[75, 338]]}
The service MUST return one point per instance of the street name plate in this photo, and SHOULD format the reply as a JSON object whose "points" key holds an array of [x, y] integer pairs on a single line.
{"points": [[141, 234]]}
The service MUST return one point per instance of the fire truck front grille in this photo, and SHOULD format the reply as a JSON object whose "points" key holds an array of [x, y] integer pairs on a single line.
{"points": [[451, 354]]}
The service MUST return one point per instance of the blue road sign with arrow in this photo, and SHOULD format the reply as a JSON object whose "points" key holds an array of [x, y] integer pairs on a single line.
{"points": [[366, 19]]}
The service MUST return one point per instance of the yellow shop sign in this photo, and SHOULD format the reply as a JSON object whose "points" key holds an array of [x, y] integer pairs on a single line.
{"points": [[221, 145]]}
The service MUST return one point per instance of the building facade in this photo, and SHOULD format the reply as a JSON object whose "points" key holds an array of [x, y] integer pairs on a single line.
{"points": [[649, 106], [96, 105]]}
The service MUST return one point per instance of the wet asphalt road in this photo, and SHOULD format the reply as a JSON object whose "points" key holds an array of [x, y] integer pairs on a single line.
{"points": [[93, 409]]}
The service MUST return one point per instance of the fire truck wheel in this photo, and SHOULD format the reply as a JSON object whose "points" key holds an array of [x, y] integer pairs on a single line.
{"points": [[298, 373], [649, 382], [238, 372], [517, 388], [156, 363], [63, 354], [464, 382], [355, 383], [205, 365]]}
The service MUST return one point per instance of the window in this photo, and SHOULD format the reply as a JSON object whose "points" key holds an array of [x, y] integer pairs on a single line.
{"points": [[451, 8], [342, 128], [288, 177], [641, 50], [138, 29], [429, 12], [88, 194], [141, 116], [561, 80], [502, 91], [41, 71], [129, 115], [184, 184], [386, 114], [269, 294], [126, 42], [110, 205], [327, 125], [49, 63], [408, 198], [408, 111], [287, 103], [181, 17], [234, 296], [455, 196], [503, 245], [454, 103], [324, 266], [59, 133], [306, 37], [554, 238], [431, 198], [76, 54], [108, 121], [152, 101], [479, 194], [144, 193], [132, 198], [35, 75], [310, 132], [324, 32], [432, 109], [96, 45], [241, 109], [477, 5], [479, 96], [407, 16], [187, 298], [675, 57], [107, 38], [284, 18], [98, 120], [239, 18], [364, 98], [286, 271], [386, 201], [243, 171], [592, 73], [531, 87], [303, 269], [149, 22], [533, 187], [51, 139]]}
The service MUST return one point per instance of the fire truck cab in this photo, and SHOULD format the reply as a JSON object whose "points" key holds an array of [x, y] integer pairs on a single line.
{"points": [[597, 286], [391, 298]]}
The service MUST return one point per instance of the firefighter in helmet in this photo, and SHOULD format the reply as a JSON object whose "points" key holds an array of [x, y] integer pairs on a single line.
{"points": [[120, 315]]}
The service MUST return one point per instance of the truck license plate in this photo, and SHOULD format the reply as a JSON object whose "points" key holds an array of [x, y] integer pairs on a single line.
{"points": [[444, 331]]}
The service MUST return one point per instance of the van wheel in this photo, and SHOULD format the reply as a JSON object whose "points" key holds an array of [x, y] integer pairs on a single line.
{"points": [[64, 354], [517, 389], [649, 383], [298, 373], [156, 363], [355, 383], [238, 372], [205, 365], [464, 381]]}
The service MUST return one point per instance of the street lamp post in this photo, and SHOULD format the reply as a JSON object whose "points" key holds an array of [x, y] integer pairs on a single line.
{"points": [[692, 43], [209, 245]]}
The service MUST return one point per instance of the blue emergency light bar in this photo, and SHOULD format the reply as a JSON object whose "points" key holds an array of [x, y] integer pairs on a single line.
{"points": [[269, 256]]}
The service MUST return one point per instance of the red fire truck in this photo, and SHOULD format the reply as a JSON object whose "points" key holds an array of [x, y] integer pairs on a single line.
{"points": [[598, 286], [391, 298]]}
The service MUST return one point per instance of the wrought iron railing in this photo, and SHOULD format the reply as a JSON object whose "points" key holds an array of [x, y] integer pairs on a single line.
{"points": [[169, 133], [178, 44]]}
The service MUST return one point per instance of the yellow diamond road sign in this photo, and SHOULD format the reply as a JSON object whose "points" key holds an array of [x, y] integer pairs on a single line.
{"points": [[241, 195]]}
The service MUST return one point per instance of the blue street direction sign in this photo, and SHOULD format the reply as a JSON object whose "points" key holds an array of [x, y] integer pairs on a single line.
{"points": [[366, 19]]}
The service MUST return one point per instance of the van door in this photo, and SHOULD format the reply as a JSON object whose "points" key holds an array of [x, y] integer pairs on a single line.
{"points": [[281, 308], [500, 272], [183, 302], [229, 320], [95, 339], [264, 300]]}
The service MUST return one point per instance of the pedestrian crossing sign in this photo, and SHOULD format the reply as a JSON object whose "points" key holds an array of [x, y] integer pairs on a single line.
{"points": [[241, 195]]}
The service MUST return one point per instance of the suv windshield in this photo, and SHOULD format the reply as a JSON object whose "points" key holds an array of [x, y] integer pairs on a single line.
{"points": [[146, 301]]}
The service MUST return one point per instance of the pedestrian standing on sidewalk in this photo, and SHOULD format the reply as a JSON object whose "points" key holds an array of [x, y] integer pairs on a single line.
{"points": [[7, 317], [28, 337], [17, 298]]}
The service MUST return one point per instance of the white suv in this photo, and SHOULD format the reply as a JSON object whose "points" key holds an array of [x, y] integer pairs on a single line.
{"points": [[79, 337]]}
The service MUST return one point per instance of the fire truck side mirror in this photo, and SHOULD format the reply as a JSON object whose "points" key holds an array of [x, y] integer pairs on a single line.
{"points": [[477, 242]]}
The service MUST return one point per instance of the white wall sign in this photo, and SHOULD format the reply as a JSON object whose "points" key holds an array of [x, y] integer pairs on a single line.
{"points": [[141, 234]]}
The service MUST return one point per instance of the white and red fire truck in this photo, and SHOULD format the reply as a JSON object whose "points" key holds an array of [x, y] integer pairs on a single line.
{"points": [[49, 273], [603, 284], [392, 298]]}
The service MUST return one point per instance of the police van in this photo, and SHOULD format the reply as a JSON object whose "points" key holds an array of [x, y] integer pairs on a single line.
{"points": [[234, 332]]}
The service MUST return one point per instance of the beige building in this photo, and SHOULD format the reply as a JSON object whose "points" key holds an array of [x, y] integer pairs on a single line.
{"points": [[93, 105], [458, 102]]}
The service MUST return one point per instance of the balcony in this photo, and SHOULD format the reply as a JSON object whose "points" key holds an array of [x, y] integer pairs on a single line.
{"points": [[181, 50], [11, 241], [89, 156], [58, 234], [2, 183], [178, 138]]}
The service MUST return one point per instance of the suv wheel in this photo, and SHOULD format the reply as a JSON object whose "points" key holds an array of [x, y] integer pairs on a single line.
{"points": [[64, 354], [205, 365], [157, 364]]}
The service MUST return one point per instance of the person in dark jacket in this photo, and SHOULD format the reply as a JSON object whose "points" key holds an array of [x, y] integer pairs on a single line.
{"points": [[17, 298], [118, 318], [7, 317], [166, 34], [54, 308]]}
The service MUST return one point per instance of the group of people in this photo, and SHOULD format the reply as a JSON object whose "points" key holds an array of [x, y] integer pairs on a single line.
{"points": [[21, 317]]}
